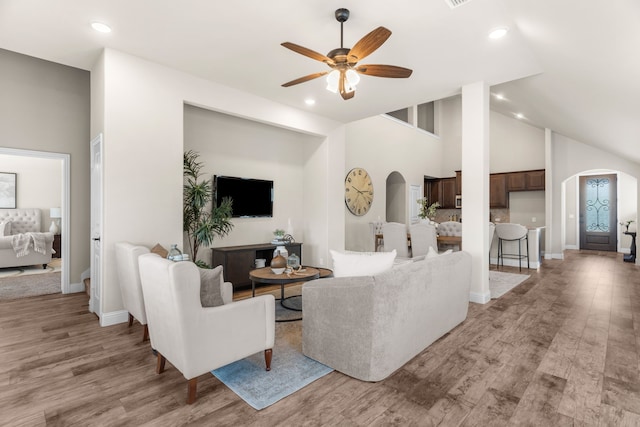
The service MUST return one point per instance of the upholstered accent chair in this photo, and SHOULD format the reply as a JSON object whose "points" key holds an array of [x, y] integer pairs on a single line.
{"points": [[130, 286], [394, 235], [423, 236], [196, 339]]}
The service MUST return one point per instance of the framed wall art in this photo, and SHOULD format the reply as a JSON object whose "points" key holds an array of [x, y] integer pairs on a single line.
{"points": [[7, 190]]}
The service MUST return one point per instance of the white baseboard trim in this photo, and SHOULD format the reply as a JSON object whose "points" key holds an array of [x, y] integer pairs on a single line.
{"points": [[479, 298], [571, 247], [75, 288], [625, 250], [114, 318], [553, 256]]}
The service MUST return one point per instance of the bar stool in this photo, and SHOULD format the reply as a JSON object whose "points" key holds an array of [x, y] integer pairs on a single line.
{"points": [[512, 233]]}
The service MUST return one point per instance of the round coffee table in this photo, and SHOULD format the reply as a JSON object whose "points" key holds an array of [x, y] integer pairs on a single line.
{"points": [[265, 275]]}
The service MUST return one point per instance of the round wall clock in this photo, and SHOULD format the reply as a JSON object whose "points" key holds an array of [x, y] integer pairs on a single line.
{"points": [[358, 191]]}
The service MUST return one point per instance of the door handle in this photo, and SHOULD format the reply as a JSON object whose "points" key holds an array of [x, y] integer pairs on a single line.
{"points": [[96, 239]]}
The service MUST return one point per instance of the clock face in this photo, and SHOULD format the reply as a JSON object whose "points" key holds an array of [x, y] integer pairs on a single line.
{"points": [[358, 191]]}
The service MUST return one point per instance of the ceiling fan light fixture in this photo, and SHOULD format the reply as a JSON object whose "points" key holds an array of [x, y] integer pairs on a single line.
{"points": [[333, 79]]}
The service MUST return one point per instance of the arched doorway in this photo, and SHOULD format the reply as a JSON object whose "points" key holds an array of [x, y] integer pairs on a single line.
{"points": [[396, 209]]}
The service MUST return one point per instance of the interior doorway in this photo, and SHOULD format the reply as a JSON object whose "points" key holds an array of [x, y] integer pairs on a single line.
{"points": [[64, 203], [598, 212], [396, 198]]}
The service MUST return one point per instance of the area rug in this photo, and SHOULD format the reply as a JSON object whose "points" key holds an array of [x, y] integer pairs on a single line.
{"points": [[500, 283], [53, 267], [30, 285], [290, 370]]}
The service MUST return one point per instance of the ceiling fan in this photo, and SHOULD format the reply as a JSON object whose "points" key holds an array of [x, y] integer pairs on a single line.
{"points": [[343, 61]]}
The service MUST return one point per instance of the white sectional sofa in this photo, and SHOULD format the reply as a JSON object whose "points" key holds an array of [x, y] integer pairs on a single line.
{"points": [[369, 326], [23, 221]]}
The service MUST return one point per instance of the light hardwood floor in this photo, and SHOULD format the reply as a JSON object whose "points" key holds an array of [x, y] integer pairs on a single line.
{"points": [[560, 349]]}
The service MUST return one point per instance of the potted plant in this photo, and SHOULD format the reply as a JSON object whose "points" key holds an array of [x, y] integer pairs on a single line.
{"points": [[426, 210], [202, 220], [627, 223]]}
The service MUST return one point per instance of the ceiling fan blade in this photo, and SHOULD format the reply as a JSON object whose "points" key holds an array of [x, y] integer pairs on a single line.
{"points": [[305, 79], [366, 45], [378, 70], [308, 52]]}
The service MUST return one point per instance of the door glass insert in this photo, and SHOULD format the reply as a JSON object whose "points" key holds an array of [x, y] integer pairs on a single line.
{"points": [[597, 204]]}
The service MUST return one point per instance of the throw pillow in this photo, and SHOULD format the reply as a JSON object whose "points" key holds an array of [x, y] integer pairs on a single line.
{"points": [[5, 228], [210, 281], [158, 249], [432, 253], [348, 264]]}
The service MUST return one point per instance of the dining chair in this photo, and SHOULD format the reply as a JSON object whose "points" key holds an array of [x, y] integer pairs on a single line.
{"points": [[394, 235], [423, 236]]}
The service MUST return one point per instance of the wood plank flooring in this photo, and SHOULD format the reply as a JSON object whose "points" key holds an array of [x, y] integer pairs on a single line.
{"points": [[561, 349]]}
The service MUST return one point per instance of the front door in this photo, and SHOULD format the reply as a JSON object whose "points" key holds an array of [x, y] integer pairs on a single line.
{"points": [[598, 212]]}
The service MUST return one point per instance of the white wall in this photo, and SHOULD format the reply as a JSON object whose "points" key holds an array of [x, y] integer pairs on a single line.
{"points": [[235, 146], [45, 107], [143, 146], [524, 206], [382, 146], [38, 182]]}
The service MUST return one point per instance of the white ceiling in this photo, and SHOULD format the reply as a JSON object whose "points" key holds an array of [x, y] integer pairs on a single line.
{"points": [[569, 65]]}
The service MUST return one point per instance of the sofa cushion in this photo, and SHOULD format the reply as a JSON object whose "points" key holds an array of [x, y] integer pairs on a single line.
{"points": [[210, 281], [5, 228], [348, 264], [160, 250], [432, 252]]}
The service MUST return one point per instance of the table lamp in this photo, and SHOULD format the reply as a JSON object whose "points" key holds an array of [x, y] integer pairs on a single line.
{"points": [[55, 214]]}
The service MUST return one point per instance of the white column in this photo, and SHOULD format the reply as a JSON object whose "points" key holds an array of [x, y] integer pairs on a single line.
{"points": [[548, 195], [475, 186]]}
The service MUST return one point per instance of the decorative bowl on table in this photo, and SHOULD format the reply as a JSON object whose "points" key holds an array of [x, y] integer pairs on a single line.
{"points": [[277, 270]]}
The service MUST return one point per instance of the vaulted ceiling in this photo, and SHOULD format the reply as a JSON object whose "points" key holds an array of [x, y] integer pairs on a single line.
{"points": [[571, 65]]}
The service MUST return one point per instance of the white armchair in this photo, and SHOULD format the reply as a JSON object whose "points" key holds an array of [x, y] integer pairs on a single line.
{"points": [[197, 339], [130, 286]]}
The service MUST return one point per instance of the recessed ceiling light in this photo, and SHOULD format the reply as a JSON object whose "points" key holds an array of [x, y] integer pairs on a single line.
{"points": [[500, 96], [497, 33], [310, 101], [520, 115], [100, 27]]}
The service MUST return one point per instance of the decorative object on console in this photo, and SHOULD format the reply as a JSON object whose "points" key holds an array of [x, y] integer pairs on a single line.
{"points": [[278, 263], [200, 224], [8, 190], [55, 214], [358, 191]]}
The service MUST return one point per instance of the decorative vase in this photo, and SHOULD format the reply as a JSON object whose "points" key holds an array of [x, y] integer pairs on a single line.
{"points": [[278, 263], [282, 250], [174, 253], [293, 261]]}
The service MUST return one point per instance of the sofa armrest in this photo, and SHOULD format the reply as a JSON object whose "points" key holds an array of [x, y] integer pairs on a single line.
{"points": [[337, 327]]}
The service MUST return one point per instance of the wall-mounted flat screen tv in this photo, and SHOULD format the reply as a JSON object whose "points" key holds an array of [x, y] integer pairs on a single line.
{"points": [[251, 197]]}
